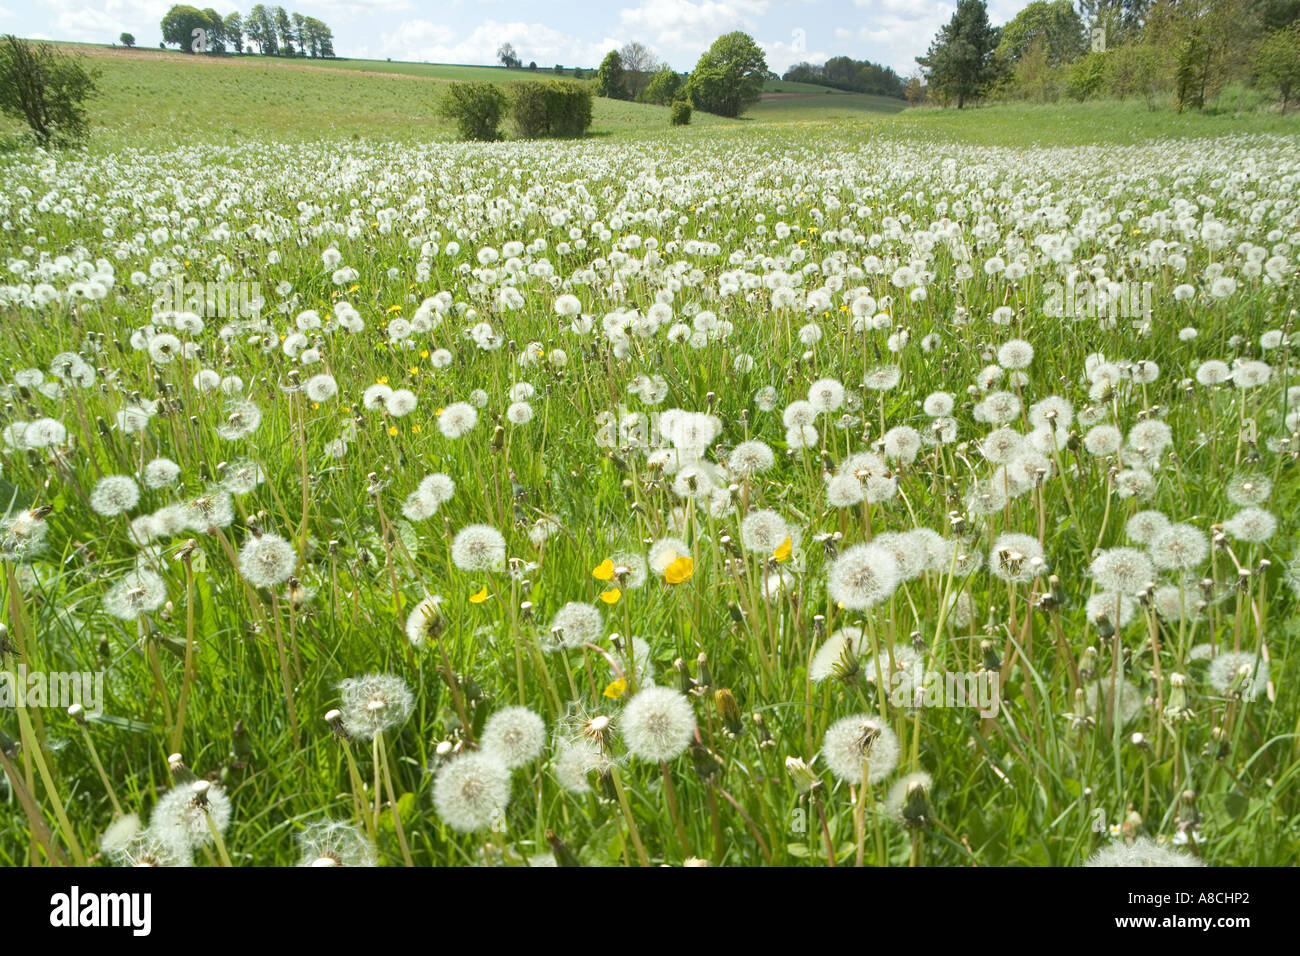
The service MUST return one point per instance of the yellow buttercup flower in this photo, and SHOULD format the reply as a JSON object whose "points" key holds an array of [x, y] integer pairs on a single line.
{"points": [[615, 689], [611, 595], [603, 571], [782, 552], [478, 598]]}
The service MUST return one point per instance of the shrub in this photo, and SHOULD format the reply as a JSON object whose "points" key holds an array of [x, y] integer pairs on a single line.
{"points": [[45, 89], [1086, 77], [539, 108], [679, 114], [663, 89], [476, 108]]}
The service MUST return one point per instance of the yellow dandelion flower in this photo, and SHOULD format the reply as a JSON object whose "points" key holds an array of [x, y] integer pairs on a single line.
{"points": [[782, 552], [679, 571]]}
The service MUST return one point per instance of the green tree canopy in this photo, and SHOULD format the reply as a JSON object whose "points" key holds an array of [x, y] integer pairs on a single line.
{"points": [[610, 79], [1278, 61], [729, 77], [1054, 22], [664, 87], [179, 24]]}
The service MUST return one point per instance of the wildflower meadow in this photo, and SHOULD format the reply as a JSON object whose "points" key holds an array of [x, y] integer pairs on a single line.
{"points": [[784, 495]]}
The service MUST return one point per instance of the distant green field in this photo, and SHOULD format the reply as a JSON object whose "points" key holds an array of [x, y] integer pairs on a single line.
{"points": [[783, 86], [1070, 124], [158, 98], [162, 98], [825, 105]]}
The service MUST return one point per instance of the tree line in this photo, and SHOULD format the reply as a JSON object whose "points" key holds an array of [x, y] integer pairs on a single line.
{"points": [[273, 30], [850, 75], [727, 80], [1185, 52]]}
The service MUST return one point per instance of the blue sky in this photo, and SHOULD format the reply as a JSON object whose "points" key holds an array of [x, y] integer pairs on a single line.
{"points": [[892, 32]]}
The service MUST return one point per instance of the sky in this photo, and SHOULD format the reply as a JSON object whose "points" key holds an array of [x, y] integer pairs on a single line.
{"points": [[579, 33]]}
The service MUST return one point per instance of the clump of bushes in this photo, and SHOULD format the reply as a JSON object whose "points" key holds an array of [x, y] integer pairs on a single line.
{"points": [[540, 108], [679, 113], [476, 108]]}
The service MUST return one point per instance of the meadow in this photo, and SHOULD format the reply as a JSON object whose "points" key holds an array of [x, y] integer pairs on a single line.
{"points": [[643, 500]]}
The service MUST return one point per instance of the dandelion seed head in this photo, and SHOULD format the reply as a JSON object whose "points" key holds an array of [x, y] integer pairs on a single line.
{"points": [[658, 723]]}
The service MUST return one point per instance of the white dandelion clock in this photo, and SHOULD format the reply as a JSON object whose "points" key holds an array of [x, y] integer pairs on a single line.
{"points": [[479, 547], [858, 743], [114, 495], [658, 724], [515, 735], [373, 704], [267, 561], [471, 791], [863, 576]]}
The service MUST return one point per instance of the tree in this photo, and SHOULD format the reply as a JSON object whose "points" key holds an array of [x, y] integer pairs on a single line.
{"points": [[610, 81], [476, 108], [45, 89], [179, 24], [1123, 20], [260, 27], [217, 34], [914, 93], [664, 87], [235, 31], [128, 40], [1276, 14], [960, 63], [319, 38], [639, 64], [1207, 41], [284, 30], [1054, 23], [729, 77], [509, 59], [1278, 61]]}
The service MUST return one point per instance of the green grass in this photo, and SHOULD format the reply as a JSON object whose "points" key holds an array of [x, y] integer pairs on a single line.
{"points": [[827, 108], [235, 184], [158, 98], [1078, 124]]}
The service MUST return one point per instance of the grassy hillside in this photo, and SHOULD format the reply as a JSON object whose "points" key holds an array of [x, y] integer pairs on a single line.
{"points": [[164, 97], [1074, 124]]}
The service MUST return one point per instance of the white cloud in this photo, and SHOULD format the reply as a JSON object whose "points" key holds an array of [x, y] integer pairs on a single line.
{"points": [[688, 29], [781, 56]]}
